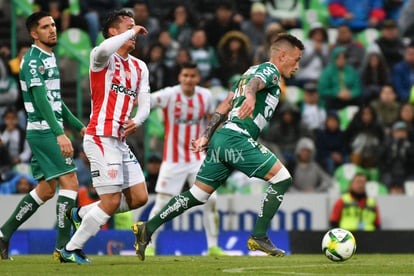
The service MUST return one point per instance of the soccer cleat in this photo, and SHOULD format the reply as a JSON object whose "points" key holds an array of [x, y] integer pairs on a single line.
{"points": [[141, 239], [215, 251], [4, 250], [150, 251], [72, 215], [265, 245], [74, 256], [57, 256]]}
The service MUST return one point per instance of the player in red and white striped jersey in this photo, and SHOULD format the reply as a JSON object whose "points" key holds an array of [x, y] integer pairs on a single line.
{"points": [[186, 108], [118, 81]]}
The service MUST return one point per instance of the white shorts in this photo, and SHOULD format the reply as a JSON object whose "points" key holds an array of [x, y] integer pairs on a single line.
{"points": [[112, 163], [172, 176]]}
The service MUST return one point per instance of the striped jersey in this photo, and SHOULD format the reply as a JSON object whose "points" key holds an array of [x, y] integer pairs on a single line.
{"points": [[39, 68], [114, 89], [184, 119]]}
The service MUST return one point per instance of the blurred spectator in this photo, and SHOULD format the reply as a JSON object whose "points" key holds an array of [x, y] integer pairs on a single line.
{"points": [[183, 56], [8, 88], [357, 15], [14, 138], [204, 55], [157, 69], [313, 115], [94, 11], [142, 17], [354, 50], [315, 56], [406, 19], [374, 75], [365, 135], [171, 47], [284, 132], [331, 149], [406, 115], [396, 157], [255, 27], [18, 184], [393, 8], [181, 26], [221, 23], [262, 53], [14, 64], [287, 13], [83, 171], [355, 210], [233, 55], [386, 106], [59, 10], [390, 43], [403, 75], [153, 169], [308, 176], [339, 84]]}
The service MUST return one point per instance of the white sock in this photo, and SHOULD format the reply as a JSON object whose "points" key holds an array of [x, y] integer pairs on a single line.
{"points": [[85, 209], [160, 201], [210, 221], [90, 226], [123, 205], [36, 198]]}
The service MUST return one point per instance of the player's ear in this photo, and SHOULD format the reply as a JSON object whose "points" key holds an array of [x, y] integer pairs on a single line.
{"points": [[33, 34], [112, 31]]}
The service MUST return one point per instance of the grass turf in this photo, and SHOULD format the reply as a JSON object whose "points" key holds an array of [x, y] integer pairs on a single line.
{"points": [[360, 264]]}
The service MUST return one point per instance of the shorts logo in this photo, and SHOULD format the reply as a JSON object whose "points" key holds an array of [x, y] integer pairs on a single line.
{"points": [[95, 173], [112, 173], [69, 161]]}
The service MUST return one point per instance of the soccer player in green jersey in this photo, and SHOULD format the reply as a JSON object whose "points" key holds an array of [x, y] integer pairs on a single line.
{"points": [[52, 160], [249, 107]]}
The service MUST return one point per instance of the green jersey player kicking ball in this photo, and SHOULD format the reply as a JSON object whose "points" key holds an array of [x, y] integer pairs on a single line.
{"points": [[52, 160], [249, 106]]}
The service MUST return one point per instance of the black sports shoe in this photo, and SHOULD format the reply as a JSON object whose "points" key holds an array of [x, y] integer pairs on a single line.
{"points": [[4, 250], [265, 245], [141, 238]]}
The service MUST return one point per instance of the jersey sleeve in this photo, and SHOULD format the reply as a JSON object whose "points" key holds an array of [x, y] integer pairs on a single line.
{"points": [[211, 108], [144, 82], [32, 72], [268, 74], [160, 98]]}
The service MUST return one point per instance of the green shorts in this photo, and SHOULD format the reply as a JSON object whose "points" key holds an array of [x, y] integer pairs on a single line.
{"points": [[230, 150], [47, 161]]}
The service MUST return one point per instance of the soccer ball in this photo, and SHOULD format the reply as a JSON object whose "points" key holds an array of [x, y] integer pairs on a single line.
{"points": [[338, 245]]}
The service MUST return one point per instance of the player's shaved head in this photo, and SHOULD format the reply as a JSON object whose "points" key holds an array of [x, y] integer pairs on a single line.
{"points": [[33, 20], [112, 20], [286, 42]]}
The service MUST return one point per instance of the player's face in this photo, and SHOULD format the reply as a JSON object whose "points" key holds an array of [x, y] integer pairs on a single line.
{"points": [[188, 79], [126, 24], [45, 32], [290, 62]]}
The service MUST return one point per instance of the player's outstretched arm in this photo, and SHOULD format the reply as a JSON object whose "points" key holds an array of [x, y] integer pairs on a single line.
{"points": [[252, 87], [74, 122]]}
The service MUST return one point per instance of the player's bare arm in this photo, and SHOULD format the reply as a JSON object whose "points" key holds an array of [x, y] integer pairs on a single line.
{"points": [[252, 87], [216, 119]]}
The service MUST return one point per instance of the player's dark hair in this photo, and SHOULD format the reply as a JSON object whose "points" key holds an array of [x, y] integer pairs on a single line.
{"points": [[33, 20], [292, 40], [188, 65], [112, 19]]}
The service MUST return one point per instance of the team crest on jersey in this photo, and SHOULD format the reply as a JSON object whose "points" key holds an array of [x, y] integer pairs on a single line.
{"points": [[41, 69], [275, 79], [112, 173]]}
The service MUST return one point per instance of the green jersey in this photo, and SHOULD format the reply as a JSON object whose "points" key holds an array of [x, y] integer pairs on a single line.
{"points": [[39, 68], [266, 99]]}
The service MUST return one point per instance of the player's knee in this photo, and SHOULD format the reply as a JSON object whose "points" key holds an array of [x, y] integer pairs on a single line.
{"points": [[199, 194], [282, 175]]}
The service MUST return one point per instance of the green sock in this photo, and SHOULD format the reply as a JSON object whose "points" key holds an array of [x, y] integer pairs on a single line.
{"points": [[24, 210], [270, 204], [175, 207], [64, 226]]}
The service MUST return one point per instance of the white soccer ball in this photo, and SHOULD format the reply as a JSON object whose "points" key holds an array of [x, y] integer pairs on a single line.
{"points": [[338, 245]]}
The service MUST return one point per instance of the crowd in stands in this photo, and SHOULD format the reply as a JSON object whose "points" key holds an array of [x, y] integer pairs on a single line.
{"points": [[349, 107]]}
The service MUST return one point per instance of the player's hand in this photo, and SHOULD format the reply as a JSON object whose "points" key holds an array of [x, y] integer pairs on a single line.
{"points": [[247, 107], [129, 128], [199, 145], [65, 144], [83, 131], [140, 30]]}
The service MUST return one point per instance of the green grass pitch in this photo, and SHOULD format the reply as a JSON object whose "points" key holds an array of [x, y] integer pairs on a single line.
{"points": [[360, 264]]}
